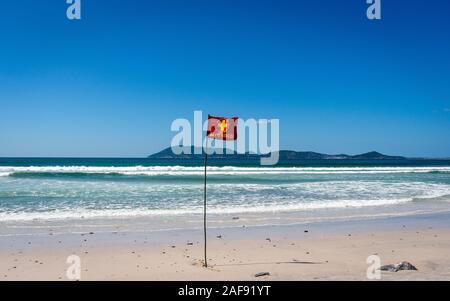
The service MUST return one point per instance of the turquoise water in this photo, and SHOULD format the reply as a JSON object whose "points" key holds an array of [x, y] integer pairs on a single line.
{"points": [[60, 189]]}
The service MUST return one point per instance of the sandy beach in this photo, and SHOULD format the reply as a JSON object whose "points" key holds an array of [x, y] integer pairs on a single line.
{"points": [[315, 251], [309, 138]]}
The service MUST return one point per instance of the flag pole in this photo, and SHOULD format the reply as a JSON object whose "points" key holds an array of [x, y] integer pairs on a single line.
{"points": [[204, 201]]}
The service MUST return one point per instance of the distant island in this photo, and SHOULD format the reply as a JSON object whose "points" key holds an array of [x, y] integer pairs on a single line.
{"points": [[284, 155]]}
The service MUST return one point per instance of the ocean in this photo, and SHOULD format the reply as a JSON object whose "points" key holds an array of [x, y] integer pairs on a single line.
{"points": [[70, 190]]}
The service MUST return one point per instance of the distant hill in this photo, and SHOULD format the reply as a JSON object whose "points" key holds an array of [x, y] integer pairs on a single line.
{"points": [[284, 155]]}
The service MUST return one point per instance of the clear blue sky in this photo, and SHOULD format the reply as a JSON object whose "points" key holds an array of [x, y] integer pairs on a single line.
{"points": [[111, 84]]}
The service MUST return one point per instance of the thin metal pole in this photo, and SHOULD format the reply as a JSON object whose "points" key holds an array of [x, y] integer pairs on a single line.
{"points": [[204, 202]]}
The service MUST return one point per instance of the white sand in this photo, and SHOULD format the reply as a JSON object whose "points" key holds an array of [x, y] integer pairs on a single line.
{"points": [[325, 252]]}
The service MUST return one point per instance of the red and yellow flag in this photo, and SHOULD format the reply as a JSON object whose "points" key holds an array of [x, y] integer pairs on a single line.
{"points": [[222, 128]]}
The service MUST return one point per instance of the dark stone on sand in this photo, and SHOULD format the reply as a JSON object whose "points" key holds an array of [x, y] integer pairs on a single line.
{"points": [[401, 266], [190, 243], [306, 231], [268, 239], [90, 233], [235, 218], [219, 236], [262, 274]]}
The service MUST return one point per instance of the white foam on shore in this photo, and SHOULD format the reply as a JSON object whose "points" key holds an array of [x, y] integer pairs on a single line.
{"points": [[71, 200], [188, 170], [104, 199], [82, 213]]}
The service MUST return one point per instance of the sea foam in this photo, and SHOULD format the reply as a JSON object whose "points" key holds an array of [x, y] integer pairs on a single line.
{"points": [[198, 170]]}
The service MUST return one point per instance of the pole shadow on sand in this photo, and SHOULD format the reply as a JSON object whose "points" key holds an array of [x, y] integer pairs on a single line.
{"points": [[263, 263]]}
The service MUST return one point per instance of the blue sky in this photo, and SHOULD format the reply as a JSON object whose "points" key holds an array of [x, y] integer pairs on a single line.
{"points": [[112, 83]]}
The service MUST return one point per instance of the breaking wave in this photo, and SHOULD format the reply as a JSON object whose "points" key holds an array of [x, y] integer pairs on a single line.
{"points": [[30, 193], [213, 170]]}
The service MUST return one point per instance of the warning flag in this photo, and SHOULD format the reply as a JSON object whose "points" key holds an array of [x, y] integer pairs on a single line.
{"points": [[222, 128]]}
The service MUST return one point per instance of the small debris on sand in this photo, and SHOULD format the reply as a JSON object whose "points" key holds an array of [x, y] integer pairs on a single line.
{"points": [[219, 236], [261, 274], [235, 218]]}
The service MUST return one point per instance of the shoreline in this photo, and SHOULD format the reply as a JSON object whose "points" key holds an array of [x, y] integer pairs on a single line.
{"points": [[164, 223], [313, 251]]}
